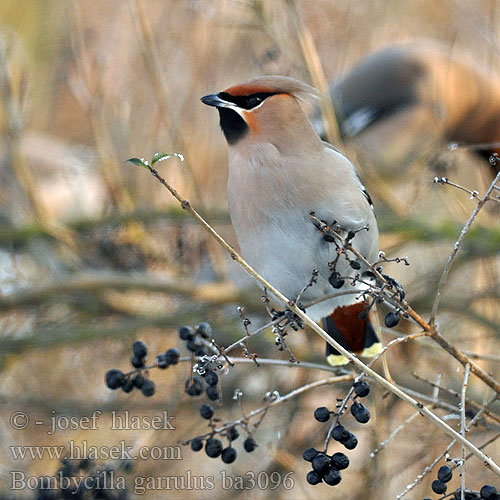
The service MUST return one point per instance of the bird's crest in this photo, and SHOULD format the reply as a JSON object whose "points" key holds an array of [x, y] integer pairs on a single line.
{"points": [[274, 84]]}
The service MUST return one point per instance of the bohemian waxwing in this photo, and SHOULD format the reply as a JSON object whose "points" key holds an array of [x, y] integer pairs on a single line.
{"points": [[279, 172], [408, 102]]}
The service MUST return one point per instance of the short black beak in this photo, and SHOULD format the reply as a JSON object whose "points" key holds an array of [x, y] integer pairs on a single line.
{"points": [[214, 100]]}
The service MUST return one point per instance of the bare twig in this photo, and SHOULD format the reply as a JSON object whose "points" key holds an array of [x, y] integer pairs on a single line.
{"points": [[451, 258], [315, 69], [463, 425], [427, 343], [279, 400], [456, 394], [400, 427]]}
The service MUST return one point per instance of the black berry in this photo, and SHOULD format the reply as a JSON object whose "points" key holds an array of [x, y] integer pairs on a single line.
{"points": [[140, 349], [148, 388], [321, 463], [161, 361], [85, 463], [336, 280], [438, 487], [194, 387], [469, 495], [249, 444], [196, 444], [229, 455], [332, 477], [128, 385], [355, 264], [194, 344], [488, 492], [340, 433], [322, 414], [138, 381], [211, 378], [205, 330], [201, 351], [114, 378], [361, 388], [340, 461], [391, 319], [360, 412], [172, 356], [313, 477], [207, 411], [213, 447], [137, 362], [232, 433], [351, 442], [445, 474], [309, 454], [186, 332], [212, 393]]}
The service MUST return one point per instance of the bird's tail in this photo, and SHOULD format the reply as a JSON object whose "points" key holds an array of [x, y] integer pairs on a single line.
{"points": [[351, 327]]}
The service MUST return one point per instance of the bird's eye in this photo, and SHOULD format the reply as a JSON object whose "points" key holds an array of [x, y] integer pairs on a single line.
{"points": [[254, 101]]}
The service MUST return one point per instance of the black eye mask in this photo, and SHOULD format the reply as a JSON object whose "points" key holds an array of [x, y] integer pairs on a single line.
{"points": [[246, 101]]}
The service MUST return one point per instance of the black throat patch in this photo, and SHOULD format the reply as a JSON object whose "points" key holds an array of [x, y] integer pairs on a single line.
{"points": [[232, 124]]}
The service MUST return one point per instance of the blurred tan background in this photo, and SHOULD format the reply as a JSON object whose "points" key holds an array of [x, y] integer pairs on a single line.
{"points": [[94, 253]]}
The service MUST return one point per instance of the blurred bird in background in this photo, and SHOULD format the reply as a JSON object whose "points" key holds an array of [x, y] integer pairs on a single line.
{"points": [[279, 172], [409, 102]]}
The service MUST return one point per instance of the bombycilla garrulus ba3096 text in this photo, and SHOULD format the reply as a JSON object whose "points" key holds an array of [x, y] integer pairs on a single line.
{"points": [[280, 171]]}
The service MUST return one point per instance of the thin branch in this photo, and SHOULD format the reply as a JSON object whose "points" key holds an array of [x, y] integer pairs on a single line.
{"points": [[451, 258], [400, 427], [276, 402], [222, 293], [426, 343], [463, 425], [470, 402]]}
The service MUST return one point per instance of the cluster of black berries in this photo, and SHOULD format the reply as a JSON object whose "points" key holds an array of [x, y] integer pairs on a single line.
{"points": [[196, 385], [93, 482], [445, 475], [214, 447], [327, 468], [135, 379], [194, 338]]}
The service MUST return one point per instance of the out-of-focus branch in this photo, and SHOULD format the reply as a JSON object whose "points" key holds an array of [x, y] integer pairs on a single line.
{"points": [[213, 293], [151, 60], [315, 69]]}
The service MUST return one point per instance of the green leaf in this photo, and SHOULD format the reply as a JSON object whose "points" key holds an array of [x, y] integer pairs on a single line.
{"points": [[165, 156], [160, 157], [140, 162]]}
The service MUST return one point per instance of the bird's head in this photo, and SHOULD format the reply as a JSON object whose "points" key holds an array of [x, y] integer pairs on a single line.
{"points": [[263, 109]]}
